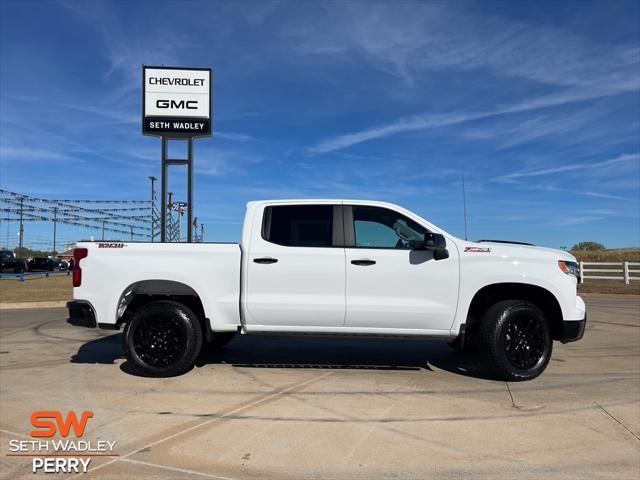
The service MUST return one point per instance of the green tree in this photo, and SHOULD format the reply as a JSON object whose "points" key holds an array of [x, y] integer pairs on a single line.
{"points": [[588, 246]]}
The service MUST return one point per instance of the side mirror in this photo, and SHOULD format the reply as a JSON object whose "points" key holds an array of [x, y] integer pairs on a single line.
{"points": [[437, 243], [434, 241]]}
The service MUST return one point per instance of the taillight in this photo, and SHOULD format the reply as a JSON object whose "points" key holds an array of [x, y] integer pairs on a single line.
{"points": [[78, 254]]}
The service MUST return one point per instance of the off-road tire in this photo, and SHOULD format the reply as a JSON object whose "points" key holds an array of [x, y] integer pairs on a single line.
{"points": [[162, 339], [516, 340]]}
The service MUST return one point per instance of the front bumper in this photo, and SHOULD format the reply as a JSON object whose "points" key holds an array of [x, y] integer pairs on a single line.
{"points": [[573, 330], [81, 314]]}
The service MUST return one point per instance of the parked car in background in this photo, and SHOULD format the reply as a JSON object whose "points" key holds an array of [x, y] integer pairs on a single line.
{"points": [[10, 264], [43, 264]]}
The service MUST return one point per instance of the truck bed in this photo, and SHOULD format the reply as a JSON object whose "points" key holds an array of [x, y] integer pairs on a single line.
{"points": [[112, 270]]}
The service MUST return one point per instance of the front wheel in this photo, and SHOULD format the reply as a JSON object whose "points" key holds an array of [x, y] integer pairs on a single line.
{"points": [[516, 339], [162, 339]]}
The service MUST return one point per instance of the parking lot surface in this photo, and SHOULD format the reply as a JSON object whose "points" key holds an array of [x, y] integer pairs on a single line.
{"points": [[267, 407]]}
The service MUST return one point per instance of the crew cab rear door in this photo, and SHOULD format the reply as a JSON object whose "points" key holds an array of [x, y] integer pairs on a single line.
{"points": [[391, 281], [295, 268]]}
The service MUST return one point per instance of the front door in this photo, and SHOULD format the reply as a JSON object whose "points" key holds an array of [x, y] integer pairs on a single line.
{"points": [[296, 268], [391, 281]]}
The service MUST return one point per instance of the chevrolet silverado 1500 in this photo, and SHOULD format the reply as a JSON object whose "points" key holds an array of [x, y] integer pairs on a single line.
{"points": [[330, 267]]}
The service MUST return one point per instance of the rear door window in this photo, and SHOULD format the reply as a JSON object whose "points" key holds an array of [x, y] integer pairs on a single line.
{"points": [[299, 225]]}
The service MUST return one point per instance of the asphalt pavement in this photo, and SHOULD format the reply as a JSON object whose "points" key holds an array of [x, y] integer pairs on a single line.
{"points": [[289, 408]]}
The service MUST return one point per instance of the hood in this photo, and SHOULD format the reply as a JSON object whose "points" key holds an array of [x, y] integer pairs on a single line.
{"points": [[518, 249]]}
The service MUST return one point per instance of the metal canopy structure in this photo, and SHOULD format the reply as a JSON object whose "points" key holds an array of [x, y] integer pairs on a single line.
{"points": [[128, 219]]}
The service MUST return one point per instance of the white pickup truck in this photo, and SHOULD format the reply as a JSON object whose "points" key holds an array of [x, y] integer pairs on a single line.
{"points": [[330, 267]]}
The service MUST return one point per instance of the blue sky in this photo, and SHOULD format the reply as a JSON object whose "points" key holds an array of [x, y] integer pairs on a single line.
{"points": [[537, 104]]}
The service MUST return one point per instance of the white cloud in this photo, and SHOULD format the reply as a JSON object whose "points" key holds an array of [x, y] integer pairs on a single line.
{"points": [[412, 41], [428, 121], [214, 162], [234, 136], [114, 115], [574, 127], [407, 39], [585, 193], [568, 221], [28, 153], [629, 157]]}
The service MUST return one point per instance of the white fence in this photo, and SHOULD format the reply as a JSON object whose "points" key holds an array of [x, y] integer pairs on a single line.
{"points": [[626, 271]]}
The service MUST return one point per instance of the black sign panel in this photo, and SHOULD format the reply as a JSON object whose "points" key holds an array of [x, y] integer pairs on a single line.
{"points": [[178, 125]]}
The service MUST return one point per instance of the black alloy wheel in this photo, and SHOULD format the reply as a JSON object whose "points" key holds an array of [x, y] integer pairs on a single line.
{"points": [[524, 341], [162, 339], [159, 342], [516, 339]]}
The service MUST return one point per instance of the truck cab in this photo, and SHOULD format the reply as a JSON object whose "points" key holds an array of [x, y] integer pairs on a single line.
{"points": [[335, 267]]}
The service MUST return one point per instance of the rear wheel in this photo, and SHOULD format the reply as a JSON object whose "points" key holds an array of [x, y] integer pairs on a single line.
{"points": [[162, 339], [516, 340]]}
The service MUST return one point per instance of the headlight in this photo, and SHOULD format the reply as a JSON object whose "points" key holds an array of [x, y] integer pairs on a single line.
{"points": [[570, 268]]}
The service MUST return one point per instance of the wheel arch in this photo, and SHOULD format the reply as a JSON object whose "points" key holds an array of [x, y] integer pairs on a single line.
{"points": [[541, 297], [143, 292]]}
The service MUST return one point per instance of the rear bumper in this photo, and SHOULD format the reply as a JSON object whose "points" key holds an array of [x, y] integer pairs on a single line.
{"points": [[81, 314], [573, 330]]}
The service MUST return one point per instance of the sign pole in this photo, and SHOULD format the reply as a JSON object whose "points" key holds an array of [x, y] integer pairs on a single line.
{"points": [[189, 189], [176, 105], [163, 201]]}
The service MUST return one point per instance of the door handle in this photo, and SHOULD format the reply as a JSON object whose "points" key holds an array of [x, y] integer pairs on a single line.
{"points": [[265, 260], [363, 263]]}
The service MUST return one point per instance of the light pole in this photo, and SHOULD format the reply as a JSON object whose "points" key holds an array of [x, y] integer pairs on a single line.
{"points": [[21, 227], [55, 221], [153, 193], [464, 206]]}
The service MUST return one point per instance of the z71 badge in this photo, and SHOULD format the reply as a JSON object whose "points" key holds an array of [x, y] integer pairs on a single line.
{"points": [[477, 249]]}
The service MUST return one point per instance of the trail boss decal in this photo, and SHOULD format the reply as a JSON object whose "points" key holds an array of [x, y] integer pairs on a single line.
{"points": [[477, 249], [111, 245], [176, 102]]}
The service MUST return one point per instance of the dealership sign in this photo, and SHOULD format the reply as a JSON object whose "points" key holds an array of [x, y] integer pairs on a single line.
{"points": [[176, 102]]}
